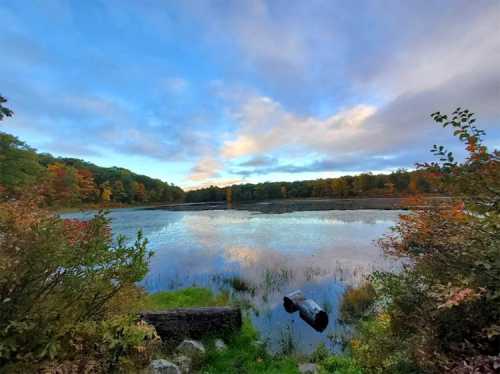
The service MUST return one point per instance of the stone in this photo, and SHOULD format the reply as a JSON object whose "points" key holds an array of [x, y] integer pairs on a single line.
{"points": [[184, 362], [163, 367], [191, 348], [308, 368], [220, 345], [177, 324]]}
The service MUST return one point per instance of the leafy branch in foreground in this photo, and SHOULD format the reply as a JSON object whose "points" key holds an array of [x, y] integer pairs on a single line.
{"points": [[441, 313], [67, 289]]}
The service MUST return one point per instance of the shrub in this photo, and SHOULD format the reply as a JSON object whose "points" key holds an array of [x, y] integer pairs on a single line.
{"points": [[357, 302], [320, 353], [442, 311], [377, 350], [61, 282], [245, 355], [340, 365]]}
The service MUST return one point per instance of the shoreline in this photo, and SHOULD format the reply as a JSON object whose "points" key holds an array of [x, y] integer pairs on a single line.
{"points": [[299, 205], [96, 207]]}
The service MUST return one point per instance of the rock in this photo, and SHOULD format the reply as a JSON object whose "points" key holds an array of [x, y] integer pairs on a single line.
{"points": [[184, 362], [191, 348], [220, 345], [163, 367], [193, 323], [308, 368]]}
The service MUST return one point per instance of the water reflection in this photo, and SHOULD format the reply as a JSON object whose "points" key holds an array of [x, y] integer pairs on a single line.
{"points": [[269, 254]]}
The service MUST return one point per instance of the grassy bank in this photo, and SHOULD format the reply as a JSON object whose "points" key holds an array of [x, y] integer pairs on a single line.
{"points": [[185, 298], [245, 352]]}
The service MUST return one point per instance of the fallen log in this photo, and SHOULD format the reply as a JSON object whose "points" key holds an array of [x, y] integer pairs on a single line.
{"points": [[177, 324], [309, 311], [291, 301]]}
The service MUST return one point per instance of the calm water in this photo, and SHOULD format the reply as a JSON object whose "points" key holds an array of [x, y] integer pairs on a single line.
{"points": [[320, 253]]}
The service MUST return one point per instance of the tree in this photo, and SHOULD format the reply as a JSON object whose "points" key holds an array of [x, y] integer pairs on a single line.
{"points": [[106, 192], [363, 183], [400, 180], [19, 165], [87, 188], [340, 187], [284, 192], [139, 192], [4, 111], [229, 196], [18, 162], [118, 191], [261, 192], [442, 310], [63, 184]]}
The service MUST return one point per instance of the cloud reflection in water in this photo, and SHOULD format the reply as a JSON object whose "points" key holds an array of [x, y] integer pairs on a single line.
{"points": [[318, 252]]}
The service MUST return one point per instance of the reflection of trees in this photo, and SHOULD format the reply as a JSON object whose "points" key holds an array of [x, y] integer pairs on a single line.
{"points": [[244, 240], [369, 217], [150, 222], [247, 254], [271, 272], [198, 245]]}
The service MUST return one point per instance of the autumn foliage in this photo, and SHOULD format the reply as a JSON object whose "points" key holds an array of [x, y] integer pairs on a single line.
{"points": [[441, 313], [67, 291], [68, 182]]}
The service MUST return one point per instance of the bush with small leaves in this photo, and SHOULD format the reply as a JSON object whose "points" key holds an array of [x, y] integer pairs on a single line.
{"points": [[442, 310], [57, 276]]}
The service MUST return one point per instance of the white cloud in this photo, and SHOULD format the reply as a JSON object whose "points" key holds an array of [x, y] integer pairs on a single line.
{"points": [[265, 126], [459, 45], [206, 168], [220, 182]]}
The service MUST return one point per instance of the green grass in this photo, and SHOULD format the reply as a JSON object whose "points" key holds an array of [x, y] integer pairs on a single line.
{"points": [[243, 355], [185, 298], [340, 365]]}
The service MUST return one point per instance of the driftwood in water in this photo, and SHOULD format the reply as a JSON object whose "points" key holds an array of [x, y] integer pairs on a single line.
{"points": [[309, 311], [291, 301], [177, 324], [312, 313]]}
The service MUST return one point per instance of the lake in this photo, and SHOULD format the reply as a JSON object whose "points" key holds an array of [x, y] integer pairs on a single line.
{"points": [[260, 257]]}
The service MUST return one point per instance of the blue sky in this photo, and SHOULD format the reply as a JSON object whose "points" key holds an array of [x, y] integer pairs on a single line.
{"points": [[220, 92]]}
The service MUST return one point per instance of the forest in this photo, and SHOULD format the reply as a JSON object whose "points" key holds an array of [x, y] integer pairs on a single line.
{"points": [[397, 183], [70, 182]]}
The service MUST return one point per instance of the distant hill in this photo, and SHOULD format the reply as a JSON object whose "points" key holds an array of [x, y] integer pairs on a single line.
{"points": [[398, 183], [71, 182]]}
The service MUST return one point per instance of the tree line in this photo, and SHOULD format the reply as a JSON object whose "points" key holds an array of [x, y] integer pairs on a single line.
{"points": [[397, 183], [72, 182]]}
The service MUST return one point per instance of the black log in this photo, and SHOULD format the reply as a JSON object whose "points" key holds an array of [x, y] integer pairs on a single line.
{"points": [[177, 324], [312, 313], [291, 301], [309, 311]]}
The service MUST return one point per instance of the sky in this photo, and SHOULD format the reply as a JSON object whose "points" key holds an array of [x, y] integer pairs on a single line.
{"points": [[221, 92]]}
